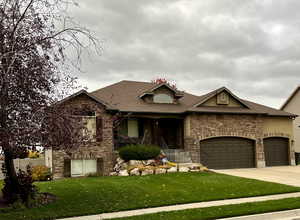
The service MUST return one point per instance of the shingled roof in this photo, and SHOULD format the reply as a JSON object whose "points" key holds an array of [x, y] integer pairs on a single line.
{"points": [[125, 96]]}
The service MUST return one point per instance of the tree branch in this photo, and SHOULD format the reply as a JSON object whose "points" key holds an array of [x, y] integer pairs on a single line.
{"points": [[21, 18]]}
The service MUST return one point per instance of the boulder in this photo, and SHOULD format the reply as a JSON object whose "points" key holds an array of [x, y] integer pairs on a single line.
{"points": [[172, 170], [149, 162], [147, 172], [204, 169], [135, 172], [160, 171], [120, 165], [135, 162], [123, 173], [195, 167], [113, 174], [184, 169], [195, 170], [119, 160]]}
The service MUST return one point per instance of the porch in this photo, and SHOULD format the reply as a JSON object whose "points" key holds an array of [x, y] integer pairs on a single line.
{"points": [[165, 132]]}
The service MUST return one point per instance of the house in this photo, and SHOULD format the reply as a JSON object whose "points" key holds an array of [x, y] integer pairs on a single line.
{"points": [[292, 104], [218, 129]]}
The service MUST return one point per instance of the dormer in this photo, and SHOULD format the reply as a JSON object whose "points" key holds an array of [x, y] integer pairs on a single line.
{"points": [[162, 94], [222, 97]]}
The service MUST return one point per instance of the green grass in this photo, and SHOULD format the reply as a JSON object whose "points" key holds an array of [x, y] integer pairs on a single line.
{"points": [[223, 211], [94, 195]]}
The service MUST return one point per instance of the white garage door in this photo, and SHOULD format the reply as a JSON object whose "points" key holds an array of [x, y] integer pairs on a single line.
{"points": [[83, 167]]}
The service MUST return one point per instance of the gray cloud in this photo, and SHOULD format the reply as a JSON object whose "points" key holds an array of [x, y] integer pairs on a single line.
{"points": [[252, 47]]}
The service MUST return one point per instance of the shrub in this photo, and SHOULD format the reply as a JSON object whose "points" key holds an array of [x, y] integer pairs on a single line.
{"points": [[33, 154], [27, 191], [139, 152], [41, 173]]}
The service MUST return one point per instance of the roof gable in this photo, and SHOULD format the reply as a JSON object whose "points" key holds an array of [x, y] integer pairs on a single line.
{"points": [[290, 98], [222, 97], [84, 92], [177, 94]]}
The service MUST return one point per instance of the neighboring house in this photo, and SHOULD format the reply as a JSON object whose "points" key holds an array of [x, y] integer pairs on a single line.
{"points": [[217, 129], [292, 104]]}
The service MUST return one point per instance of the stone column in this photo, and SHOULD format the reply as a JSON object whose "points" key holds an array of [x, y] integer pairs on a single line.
{"points": [[292, 153], [192, 145], [260, 155]]}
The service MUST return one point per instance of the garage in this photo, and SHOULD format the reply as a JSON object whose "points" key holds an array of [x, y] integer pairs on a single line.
{"points": [[276, 151], [227, 153]]}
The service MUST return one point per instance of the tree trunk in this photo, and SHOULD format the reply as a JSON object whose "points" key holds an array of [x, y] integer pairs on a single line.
{"points": [[11, 190]]}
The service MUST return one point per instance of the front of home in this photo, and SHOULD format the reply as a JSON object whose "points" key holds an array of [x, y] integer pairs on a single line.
{"points": [[217, 129], [292, 104]]}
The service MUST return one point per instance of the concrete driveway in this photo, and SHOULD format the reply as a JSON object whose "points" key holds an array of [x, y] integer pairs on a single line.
{"points": [[289, 175]]}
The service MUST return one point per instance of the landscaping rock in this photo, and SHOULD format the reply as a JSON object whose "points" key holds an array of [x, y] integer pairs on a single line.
{"points": [[148, 167], [195, 167], [172, 170], [184, 169], [149, 162], [160, 171], [135, 172], [147, 172], [135, 162], [113, 174], [123, 173], [194, 170], [120, 161], [204, 169]]}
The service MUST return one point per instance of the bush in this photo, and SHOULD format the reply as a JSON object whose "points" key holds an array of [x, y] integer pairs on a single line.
{"points": [[33, 154], [139, 152], [41, 173], [27, 190]]}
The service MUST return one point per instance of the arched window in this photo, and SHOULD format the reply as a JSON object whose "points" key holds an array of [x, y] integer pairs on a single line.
{"points": [[162, 98]]}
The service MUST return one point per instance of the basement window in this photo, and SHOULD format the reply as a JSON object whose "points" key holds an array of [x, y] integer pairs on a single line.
{"points": [[83, 167]]}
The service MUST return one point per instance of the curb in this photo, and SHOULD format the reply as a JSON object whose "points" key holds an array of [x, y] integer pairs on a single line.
{"points": [[283, 215], [179, 207]]}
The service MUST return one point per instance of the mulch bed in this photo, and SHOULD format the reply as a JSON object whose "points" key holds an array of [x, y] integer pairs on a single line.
{"points": [[46, 198]]}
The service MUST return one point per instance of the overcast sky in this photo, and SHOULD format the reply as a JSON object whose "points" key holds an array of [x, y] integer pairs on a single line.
{"points": [[251, 47]]}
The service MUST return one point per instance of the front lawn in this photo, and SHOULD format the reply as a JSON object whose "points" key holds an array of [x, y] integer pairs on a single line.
{"points": [[95, 195], [225, 211]]}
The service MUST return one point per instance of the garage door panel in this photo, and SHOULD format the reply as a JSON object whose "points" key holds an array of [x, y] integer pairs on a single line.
{"points": [[227, 153], [276, 151]]}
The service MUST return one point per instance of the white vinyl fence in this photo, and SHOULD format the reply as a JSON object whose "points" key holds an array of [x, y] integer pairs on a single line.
{"points": [[22, 164]]}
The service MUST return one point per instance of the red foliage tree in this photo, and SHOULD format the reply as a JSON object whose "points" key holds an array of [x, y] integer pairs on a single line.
{"points": [[164, 81], [32, 52]]}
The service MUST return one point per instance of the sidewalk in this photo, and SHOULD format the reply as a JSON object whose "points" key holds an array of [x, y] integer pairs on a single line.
{"points": [[184, 206], [282, 215]]}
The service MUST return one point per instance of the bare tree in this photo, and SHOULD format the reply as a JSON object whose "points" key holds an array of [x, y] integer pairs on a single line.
{"points": [[34, 38]]}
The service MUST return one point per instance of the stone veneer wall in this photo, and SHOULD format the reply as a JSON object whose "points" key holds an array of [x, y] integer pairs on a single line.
{"points": [[98, 150], [203, 126]]}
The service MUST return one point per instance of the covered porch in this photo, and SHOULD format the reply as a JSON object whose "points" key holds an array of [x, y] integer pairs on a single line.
{"points": [[165, 132]]}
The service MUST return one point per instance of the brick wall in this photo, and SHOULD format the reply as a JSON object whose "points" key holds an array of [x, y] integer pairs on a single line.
{"points": [[97, 150], [202, 126]]}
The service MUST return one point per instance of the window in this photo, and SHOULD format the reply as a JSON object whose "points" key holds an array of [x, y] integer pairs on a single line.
{"points": [[162, 98], [133, 129], [83, 167], [90, 126], [129, 128]]}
